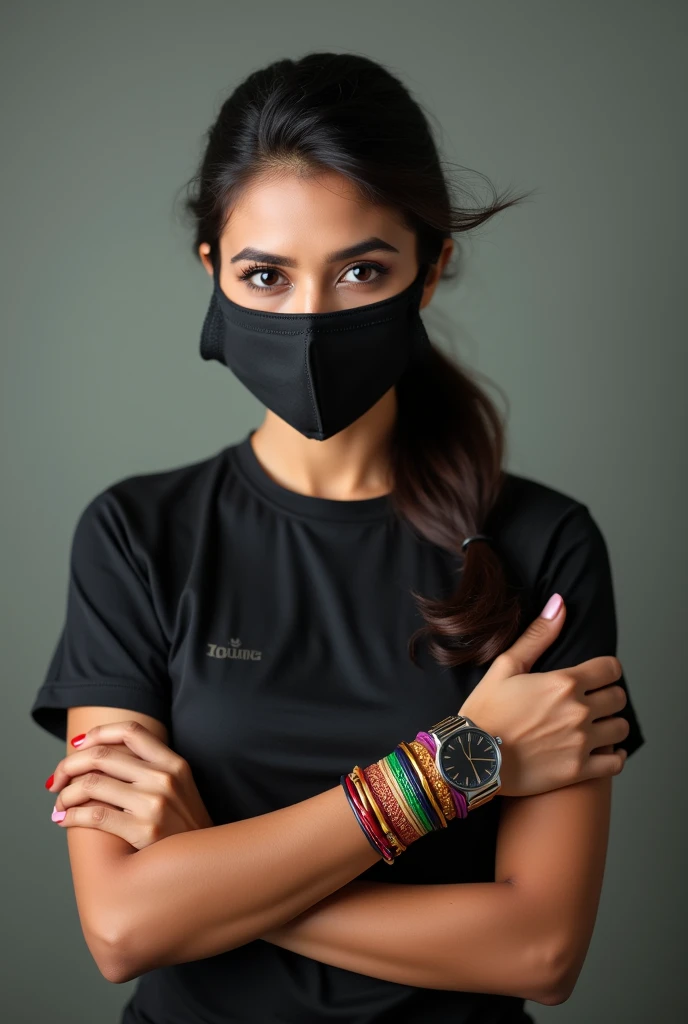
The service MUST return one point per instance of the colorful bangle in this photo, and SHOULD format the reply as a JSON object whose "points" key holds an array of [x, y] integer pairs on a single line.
{"points": [[369, 820], [402, 797], [360, 815], [356, 815], [427, 789], [386, 827], [390, 804], [434, 779], [421, 805], [459, 799], [399, 796]]}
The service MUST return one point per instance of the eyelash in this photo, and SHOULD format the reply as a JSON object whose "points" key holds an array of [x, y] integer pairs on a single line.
{"points": [[255, 267]]}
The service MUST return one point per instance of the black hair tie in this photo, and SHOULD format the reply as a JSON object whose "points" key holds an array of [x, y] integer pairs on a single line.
{"points": [[476, 536]]}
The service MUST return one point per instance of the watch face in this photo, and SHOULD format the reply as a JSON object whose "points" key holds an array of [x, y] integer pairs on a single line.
{"points": [[470, 759]]}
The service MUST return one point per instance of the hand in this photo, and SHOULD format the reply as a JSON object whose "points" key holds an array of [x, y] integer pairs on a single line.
{"points": [[552, 724], [142, 792]]}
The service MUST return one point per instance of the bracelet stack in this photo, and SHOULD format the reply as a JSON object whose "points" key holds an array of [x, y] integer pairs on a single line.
{"points": [[402, 797]]}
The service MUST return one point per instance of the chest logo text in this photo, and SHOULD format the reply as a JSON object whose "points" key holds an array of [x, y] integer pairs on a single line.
{"points": [[233, 650]]}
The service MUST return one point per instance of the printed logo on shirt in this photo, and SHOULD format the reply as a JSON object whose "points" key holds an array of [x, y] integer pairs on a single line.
{"points": [[233, 650]]}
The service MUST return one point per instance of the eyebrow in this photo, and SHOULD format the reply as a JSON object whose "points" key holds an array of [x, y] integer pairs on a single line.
{"points": [[358, 249]]}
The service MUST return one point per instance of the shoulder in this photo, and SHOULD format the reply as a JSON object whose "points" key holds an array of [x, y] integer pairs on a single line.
{"points": [[527, 504], [147, 507], [536, 525]]}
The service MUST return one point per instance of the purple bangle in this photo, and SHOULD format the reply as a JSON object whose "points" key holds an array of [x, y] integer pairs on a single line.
{"points": [[459, 799], [428, 741]]}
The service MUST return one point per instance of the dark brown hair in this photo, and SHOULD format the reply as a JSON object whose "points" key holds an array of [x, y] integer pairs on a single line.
{"points": [[346, 113]]}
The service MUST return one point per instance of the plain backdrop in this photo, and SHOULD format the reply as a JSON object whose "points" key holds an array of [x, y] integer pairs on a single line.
{"points": [[573, 303]]}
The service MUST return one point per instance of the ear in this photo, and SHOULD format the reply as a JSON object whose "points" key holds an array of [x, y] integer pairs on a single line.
{"points": [[435, 271], [204, 253]]}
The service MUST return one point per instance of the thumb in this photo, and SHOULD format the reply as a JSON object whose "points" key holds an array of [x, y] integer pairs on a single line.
{"points": [[535, 640]]}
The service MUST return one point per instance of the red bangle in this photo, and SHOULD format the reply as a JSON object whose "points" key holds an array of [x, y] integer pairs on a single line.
{"points": [[370, 824]]}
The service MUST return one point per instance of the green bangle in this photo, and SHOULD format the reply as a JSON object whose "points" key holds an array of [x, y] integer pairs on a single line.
{"points": [[406, 788]]}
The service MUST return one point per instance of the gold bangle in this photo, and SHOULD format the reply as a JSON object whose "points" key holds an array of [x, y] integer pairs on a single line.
{"points": [[363, 796], [424, 783], [424, 758], [389, 804], [388, 832], [364, 800]]}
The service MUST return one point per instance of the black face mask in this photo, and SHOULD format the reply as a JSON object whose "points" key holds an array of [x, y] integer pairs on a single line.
{"points": [[318, 371]]}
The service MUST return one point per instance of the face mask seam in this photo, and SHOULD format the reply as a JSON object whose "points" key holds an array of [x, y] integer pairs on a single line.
{"points": [[318, 421]]}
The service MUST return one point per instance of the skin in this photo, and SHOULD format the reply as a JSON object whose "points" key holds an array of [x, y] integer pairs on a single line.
{"points": [[306, 220], [536, 918]]}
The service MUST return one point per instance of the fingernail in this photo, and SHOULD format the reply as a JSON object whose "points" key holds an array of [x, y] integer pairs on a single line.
{"points": [[49, 782], [57, 815], [76, 740], [552, 607]]}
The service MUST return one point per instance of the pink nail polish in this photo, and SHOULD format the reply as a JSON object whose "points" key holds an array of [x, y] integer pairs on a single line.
{"points": [[57, 815], [552, 607]]}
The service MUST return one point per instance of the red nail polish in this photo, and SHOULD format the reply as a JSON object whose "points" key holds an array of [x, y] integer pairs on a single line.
{"points": [[76, 740], [49, 782]]}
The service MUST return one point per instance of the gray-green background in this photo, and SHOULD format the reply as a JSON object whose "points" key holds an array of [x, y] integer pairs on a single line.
{"points": [[574, 303]]}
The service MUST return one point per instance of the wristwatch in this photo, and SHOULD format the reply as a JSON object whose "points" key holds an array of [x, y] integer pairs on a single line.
{"points": [[468, 758]]}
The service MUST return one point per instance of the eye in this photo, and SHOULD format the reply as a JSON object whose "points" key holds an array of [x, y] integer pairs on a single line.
{"points": [[260, 271], [255, 269], [379, 271]]}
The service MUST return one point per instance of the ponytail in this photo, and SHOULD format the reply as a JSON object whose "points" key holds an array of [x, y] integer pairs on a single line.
{"points": [[447, 452]]}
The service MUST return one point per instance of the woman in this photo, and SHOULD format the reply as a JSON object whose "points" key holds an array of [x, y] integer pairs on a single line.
{"points": [[249, 636]]}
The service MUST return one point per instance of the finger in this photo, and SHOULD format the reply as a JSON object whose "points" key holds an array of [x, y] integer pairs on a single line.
{"points": [[609, 730], [533, 642], [109, 760], [139, 740], [598, 672], [606, 700], [103, 790], [101, 818], [134, 735], [60, 807], [603, 765]]}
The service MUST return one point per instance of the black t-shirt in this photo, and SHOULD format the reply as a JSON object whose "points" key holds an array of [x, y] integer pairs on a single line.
{"points": [[268, 630]]}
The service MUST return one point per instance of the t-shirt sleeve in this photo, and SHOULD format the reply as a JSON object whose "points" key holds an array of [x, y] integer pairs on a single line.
{"points": [[112, 650], [576, 565]]}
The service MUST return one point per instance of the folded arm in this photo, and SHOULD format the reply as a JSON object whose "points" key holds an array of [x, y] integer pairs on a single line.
{"points": [[526, 934], [200, 893]]}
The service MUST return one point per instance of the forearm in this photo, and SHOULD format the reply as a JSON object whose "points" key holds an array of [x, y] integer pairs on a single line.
{"points": [[473, 937], [196, 894]]}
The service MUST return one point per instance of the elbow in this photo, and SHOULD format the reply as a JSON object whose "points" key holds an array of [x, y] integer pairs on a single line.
{"points": [[112, 955], [108, 958], [114, 962], [560, 968], [116, 969]]}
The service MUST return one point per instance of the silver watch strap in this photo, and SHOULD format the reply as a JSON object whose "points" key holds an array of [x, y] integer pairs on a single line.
{"points": [[448, 725]]}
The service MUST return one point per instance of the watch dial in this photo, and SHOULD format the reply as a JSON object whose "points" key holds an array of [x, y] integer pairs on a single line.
{"points": [[469, 759]]}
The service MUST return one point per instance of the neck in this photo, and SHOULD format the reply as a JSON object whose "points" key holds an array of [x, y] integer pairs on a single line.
{"points": [[350, 466]]}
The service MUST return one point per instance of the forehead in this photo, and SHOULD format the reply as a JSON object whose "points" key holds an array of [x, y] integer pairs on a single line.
{"points": [[289, 214]]}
